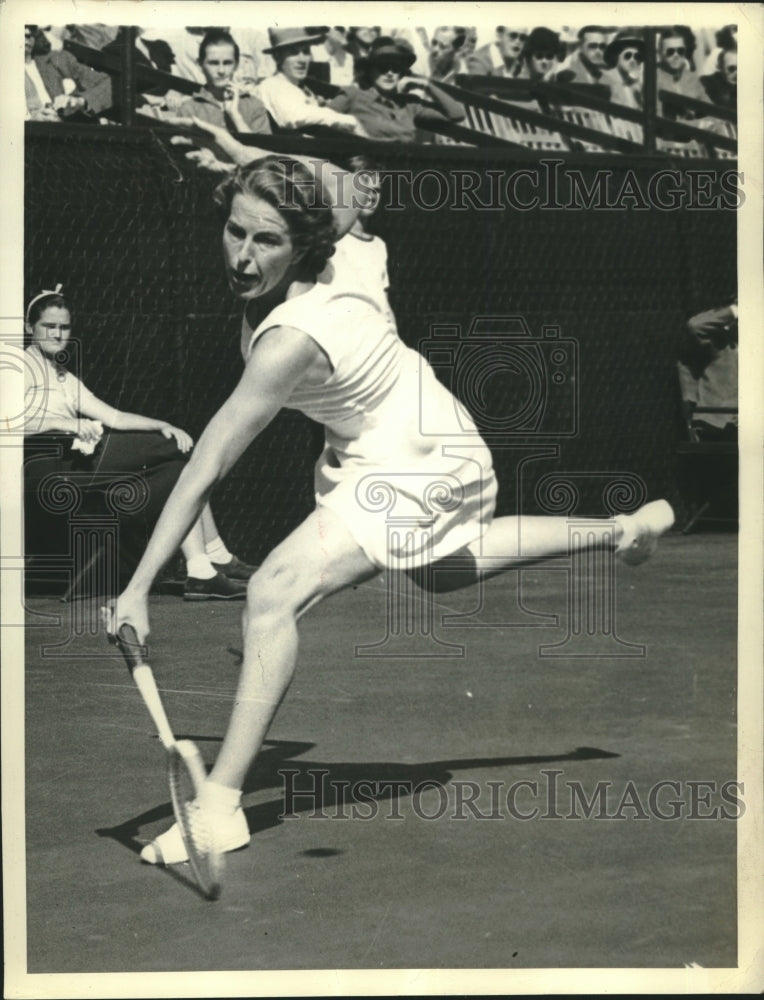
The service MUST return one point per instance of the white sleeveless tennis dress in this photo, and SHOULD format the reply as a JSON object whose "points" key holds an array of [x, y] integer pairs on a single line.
{"points": [[403, 466]]}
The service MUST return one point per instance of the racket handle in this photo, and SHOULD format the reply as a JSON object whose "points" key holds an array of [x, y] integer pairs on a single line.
{"points": [[132, 650], [144, 681]]}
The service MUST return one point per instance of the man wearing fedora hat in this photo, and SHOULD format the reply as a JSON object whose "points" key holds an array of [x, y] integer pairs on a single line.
{"points": [[286, 96], [382, 101]]}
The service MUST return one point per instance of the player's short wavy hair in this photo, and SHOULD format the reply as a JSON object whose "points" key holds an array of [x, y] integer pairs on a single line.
{"points": [[289, 187]]}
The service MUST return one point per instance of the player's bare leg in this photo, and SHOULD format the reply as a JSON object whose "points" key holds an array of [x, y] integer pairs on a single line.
{"points": [[510, 542], [316, 560]]}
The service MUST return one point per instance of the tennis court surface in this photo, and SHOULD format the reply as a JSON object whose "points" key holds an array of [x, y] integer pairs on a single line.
{"points": [[496, 809]]}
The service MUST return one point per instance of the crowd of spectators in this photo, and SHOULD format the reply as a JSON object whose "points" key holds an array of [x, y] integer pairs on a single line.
{"points": [[380, 83]]}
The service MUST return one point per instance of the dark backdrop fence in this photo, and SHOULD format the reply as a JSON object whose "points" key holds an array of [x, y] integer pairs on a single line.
{"points": [[130, 231]]}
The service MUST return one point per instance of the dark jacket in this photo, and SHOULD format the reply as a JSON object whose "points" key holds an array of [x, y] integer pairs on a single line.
{"points": [[55, 67]]}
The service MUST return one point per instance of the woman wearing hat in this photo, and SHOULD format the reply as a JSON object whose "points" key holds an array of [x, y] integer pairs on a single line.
{"points": [[380, 102], [286, 96], [625, 56], [542, 53]]}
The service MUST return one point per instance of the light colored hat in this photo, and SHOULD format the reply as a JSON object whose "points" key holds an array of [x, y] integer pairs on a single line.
{"points": [[284, 38]]}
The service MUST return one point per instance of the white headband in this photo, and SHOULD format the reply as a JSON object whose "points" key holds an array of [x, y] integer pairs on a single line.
{"points": [[43, 294]]}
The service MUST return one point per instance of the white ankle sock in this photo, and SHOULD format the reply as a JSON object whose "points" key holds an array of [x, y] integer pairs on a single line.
{"points": [[626, 524], [219, 798], [217, 551], [200, 568]]}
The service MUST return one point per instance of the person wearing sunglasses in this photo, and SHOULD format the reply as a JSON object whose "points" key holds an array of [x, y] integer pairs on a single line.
{"points": [[675, 72], [587, 63], [542, 54], [625, 57], [721, 86], [502, 57], [390, 104]]}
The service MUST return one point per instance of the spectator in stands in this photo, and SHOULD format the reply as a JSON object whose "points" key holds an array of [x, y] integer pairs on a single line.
{"points": [[383, 101], [221, 101], [542, 54], [184, 42], [56, 401], [286, 96], [502, 57], [708, 371], [468, 45], [625, 56], [333, 52], [725, 41], [56, 84], [721, 86], [587, 63], [359, 41], [674, 71], [444, 54]]}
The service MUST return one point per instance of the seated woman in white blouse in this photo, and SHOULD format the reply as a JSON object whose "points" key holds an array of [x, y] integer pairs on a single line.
{"points": [[56, 401]]}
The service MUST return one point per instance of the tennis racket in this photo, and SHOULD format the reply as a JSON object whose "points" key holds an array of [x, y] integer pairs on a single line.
{"points": [[185, 769]]}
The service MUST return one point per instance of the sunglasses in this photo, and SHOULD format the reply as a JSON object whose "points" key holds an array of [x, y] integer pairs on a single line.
{"points": [[678, 51], [515, 36], [632, 56], [730, 69], [390, 66], [548, 56], [596, 45]]}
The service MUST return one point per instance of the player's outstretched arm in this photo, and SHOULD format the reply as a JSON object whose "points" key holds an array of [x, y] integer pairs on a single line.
{"points": [[336, 183], [278, 363]]}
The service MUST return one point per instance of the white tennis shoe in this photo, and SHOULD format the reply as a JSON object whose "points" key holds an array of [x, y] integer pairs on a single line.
{"points": [[641, 531], [229, 832]]}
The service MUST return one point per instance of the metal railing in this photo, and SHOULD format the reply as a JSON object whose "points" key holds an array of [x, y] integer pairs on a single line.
{"points": [[500, 112]]}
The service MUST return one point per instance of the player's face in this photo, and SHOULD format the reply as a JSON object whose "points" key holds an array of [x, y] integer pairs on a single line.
{"points": [[294, 64], [28, 42], [52, 330], [257, 248], [219, 65]]}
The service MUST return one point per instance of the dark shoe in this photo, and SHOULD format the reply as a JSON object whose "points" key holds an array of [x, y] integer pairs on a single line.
{"points": [[217, 588], [235, 569]]}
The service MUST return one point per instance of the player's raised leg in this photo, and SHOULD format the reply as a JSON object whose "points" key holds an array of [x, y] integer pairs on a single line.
{"points": [[510, 542], [319, 558]]}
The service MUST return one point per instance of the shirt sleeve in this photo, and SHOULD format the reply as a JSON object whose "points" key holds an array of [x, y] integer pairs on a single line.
{"points": [[290, 108]]}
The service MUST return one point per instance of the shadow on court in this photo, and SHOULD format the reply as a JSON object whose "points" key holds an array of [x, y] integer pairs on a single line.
{"points": [[407, 811], [319, 786]]}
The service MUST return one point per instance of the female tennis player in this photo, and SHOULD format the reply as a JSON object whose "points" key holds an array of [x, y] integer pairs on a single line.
{"points": [[318, 338]]}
